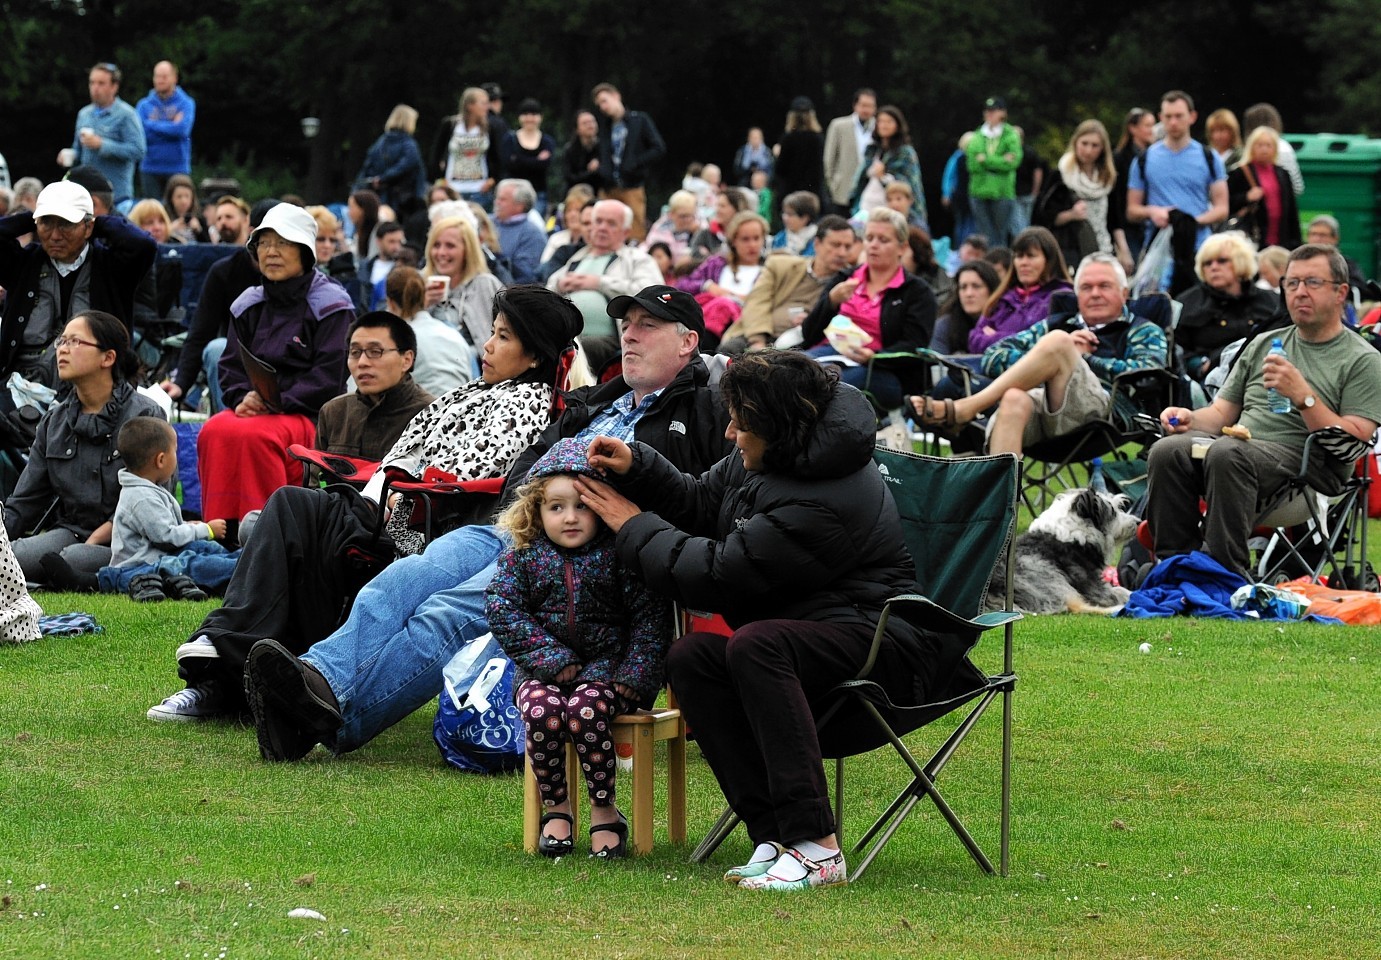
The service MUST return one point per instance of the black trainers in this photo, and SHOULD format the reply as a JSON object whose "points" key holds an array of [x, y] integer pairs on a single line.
{"points": [[183, 587], [293, 706], [146, 588]]}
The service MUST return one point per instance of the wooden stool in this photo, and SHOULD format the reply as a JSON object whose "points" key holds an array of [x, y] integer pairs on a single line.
{"points": [[640, 730]]}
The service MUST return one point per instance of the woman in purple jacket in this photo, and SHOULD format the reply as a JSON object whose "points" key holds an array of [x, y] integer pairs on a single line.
{"points": [[294, 326], [1023, 299]]}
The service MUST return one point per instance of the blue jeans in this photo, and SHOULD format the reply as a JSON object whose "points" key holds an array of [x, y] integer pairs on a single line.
{"points": [[993, 219], [385, 661], [211, 363], [882, 386]]}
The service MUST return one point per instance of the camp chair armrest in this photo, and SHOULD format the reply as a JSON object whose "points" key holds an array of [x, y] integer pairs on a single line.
{"points": [[1337, 443], [335, 466], [910, 604]]}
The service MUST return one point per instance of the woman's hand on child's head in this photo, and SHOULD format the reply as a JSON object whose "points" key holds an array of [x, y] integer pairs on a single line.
{"points": [[567, 675], [612, 507], [217, 528], [611, 454], [625, 691]]}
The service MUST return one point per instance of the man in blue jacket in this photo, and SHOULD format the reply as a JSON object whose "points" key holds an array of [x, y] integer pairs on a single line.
{"points": [[167, 114], [108, 134]]}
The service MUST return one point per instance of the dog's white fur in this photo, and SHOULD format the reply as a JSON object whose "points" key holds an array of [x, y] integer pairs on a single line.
{"points": [[1059, 561]]}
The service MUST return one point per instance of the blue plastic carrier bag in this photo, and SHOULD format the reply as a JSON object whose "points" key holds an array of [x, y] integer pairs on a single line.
{"points": [[478, 727]]}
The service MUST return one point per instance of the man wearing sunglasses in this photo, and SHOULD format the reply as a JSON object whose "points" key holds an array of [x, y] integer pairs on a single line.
{"points": [[109, 135], [79, 262], [1332, 378]]}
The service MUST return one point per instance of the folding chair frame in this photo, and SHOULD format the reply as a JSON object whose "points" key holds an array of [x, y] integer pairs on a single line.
{"points": [[1338, 518]]}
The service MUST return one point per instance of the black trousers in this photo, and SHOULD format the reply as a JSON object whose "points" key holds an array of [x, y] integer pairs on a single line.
{"points": [[311, 552], [748, 697]]}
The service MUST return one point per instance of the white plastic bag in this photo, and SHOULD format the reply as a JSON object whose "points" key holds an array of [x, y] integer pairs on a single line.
{"points": [[1157, 264]]}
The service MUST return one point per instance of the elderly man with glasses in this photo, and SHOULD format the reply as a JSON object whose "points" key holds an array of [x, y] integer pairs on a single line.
{"points": [[1332, 378], [79, 262]]}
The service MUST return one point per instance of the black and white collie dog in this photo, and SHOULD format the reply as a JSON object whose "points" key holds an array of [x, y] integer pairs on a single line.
{"points": [[1061, 557]]}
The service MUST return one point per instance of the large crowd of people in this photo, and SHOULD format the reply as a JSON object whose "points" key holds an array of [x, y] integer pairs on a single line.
{"points": [[681, 402]]}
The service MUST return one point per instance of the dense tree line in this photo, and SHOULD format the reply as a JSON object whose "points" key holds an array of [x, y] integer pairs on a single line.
{"points": [[706, 72]]}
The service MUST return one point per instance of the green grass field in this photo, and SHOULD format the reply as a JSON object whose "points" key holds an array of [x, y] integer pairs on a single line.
{"points": [[1213, 798]]}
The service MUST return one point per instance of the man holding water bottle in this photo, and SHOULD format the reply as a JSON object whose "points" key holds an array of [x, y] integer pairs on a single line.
{"points": [[1332, 379]]}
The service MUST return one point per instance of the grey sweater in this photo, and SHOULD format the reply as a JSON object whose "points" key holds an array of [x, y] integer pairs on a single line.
{"points": [[148, 524]]}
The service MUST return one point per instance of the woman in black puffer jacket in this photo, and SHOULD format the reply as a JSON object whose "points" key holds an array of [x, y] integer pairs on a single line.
{"points": [[796, 541]]}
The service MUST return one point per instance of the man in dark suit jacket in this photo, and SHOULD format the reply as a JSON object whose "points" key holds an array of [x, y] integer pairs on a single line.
{"points": [[629, 145], [80, 261]]}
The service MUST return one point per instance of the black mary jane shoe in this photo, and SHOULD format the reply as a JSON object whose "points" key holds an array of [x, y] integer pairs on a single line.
{"points": [[619, 828], [551, 846]]}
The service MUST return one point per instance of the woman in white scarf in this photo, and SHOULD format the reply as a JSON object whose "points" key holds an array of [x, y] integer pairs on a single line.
{"points": [[1076, 207]]}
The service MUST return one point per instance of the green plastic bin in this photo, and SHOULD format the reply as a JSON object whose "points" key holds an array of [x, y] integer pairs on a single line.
{"points": [[1342, 177]]}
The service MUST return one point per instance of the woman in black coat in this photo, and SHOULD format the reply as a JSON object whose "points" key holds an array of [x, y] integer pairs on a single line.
{"points": [[796, 541], [800, 162], [1260, 195], [903, 304]]}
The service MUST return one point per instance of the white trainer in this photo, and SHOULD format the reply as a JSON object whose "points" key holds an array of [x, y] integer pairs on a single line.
{"points": [[187, 706], [198, 648]]}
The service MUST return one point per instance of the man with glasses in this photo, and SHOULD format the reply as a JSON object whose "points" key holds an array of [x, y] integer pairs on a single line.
{"points": [[80, 262], [366, 423], [109, 135], [1332, 378]]}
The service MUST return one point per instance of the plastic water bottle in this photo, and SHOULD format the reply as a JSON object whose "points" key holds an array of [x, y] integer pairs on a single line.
{"points": [[1096, 481], [1278, 401]]}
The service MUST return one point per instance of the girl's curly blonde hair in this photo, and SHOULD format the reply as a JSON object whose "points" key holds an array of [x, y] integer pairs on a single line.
{"points": [[523, 518]]}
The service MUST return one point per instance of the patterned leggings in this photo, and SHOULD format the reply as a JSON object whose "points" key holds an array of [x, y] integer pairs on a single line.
{"points": [[583, 716]]}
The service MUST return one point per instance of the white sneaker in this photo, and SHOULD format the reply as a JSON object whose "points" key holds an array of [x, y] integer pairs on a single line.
{"points": [[189, 705], [198, 648]]}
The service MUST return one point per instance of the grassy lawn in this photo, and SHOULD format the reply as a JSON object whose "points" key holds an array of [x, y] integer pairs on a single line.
{"points": [[1213, 798]]}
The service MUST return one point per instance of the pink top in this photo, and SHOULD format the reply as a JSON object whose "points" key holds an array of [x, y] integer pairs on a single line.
{"points": [[1270, 198], [865, 309]]}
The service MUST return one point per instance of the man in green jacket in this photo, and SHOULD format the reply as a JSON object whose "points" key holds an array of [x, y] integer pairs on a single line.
{"points": [[994, 153]]}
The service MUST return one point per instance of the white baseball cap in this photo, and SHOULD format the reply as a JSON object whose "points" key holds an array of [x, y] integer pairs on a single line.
{"points": [[293, 224], [65, 200]]}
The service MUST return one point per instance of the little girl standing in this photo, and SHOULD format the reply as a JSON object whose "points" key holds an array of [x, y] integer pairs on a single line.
{"points": [[589, 642]]}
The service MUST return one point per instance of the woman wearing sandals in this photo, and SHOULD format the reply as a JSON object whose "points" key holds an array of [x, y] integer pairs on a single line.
{"points": [[794, 539], [591, 640]]}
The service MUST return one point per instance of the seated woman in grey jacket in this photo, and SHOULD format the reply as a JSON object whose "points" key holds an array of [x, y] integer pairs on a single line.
{"points": [[59, 516]]}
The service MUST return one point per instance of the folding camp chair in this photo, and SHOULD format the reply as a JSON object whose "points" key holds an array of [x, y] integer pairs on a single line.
{"points": [[958, 517], [1327, 525]]}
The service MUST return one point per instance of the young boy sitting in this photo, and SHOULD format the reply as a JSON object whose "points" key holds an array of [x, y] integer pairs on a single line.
{"points": [[148, 521]]}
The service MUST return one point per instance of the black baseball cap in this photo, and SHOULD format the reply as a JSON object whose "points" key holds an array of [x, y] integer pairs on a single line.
{"points": [[995, 103], [664, 303]]}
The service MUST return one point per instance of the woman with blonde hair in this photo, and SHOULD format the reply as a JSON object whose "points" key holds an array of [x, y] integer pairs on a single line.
{"points": [[467, 156], [1259, 193], [894, 309], [460, 288], [1076, 205], [393, 165], [151, 217], [1224, 136], [1225, 304]]}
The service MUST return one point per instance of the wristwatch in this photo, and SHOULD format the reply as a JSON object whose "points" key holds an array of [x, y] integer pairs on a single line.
{"points": [[1308, 402]]}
